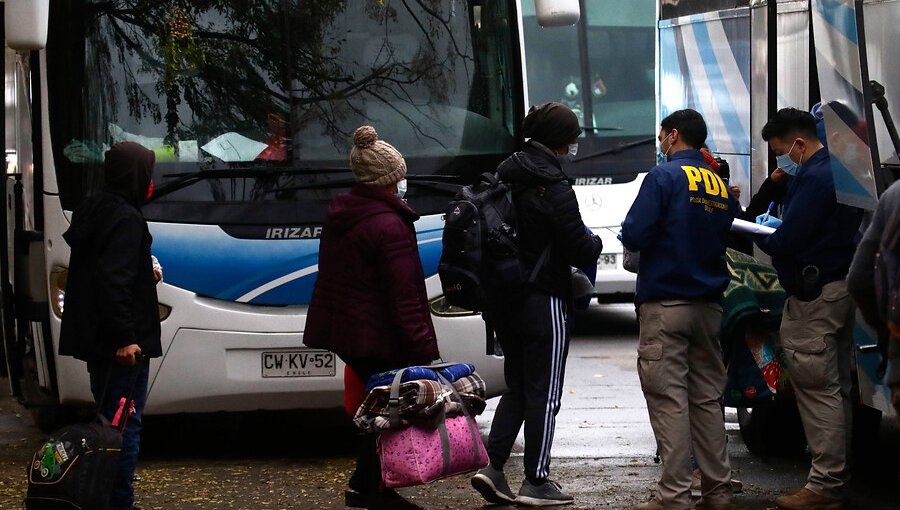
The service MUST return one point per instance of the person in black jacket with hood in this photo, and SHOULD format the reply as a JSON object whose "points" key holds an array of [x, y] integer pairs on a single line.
{"points": [[533, 331], [111, 315]]}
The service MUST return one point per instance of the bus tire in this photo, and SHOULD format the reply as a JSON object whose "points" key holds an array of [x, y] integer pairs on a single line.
{"points": [[772, 429]]}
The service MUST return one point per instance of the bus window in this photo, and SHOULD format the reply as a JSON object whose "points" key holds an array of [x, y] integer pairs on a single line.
{"points": [[273, 94], [604, 70]]}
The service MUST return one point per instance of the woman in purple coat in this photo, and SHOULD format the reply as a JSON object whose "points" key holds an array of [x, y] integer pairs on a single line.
{"points": [[369, 304]]}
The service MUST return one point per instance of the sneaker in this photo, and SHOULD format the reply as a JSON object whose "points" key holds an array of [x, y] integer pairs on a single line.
{"points": [[654, 504], [806, 499], [492, 485], [548, 493], [697, 484]]}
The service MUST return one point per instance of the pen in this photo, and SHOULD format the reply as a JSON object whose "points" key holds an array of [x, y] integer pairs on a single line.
{"points": [[769, 211]]}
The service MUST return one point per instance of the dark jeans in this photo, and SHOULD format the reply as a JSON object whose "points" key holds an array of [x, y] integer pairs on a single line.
{"points": [[366, 478], [121, 381], [535, 341]]}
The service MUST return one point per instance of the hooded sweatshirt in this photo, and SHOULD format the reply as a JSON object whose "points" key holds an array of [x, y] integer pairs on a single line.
{"points": [[369, 304], [110, 299]]}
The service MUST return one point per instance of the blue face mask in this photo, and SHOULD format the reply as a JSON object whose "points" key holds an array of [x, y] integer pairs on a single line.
{"points": [[786, 163], [662, 157]]}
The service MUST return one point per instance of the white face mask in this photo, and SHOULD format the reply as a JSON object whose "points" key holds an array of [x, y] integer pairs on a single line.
{"points": [[401, 188], [573, 150]]}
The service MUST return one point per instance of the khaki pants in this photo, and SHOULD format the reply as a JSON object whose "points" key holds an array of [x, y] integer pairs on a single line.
{"points": [[817, 337], [683, 377]]}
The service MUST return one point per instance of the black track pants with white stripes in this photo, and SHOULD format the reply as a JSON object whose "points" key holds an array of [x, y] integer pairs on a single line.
{"points": [[535, 341]]}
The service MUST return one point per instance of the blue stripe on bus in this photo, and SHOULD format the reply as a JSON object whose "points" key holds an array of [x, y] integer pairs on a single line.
{"points": [[733, 125], [845, 182], [840, 16], [668, 46], [210, 263]]}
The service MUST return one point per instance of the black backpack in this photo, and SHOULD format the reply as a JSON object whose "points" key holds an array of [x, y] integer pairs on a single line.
{"points": [[75, 468], [481, 263]]}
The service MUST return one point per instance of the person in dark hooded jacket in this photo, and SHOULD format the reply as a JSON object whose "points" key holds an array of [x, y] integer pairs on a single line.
{"points": [[369, 304], [533, 332], [111, 314]]}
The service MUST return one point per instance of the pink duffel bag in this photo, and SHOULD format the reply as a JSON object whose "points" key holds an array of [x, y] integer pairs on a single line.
{"points": [[416, 455]]}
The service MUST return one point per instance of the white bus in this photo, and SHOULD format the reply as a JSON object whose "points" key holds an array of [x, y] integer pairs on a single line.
{"points": [[604, 69], [249, 107]]}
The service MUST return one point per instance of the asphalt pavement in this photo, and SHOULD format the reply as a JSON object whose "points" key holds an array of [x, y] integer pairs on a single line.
{"points": [[603, 451]]}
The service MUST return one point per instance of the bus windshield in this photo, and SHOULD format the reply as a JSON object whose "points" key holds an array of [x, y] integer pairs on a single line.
{"points": [[275, 89], [603, 69]]}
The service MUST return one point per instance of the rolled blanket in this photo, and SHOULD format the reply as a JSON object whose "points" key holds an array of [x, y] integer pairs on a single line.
{"points": [[451, 373]]}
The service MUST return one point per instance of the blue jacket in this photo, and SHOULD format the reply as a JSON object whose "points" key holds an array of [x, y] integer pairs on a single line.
{"points": [[680, 222], [816, 230]]}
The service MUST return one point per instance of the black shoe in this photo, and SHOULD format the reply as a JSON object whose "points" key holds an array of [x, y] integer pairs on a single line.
{"points": [[389, 499], [354, 499]]}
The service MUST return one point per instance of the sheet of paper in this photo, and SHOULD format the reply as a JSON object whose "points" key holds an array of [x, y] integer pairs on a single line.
{"points": [[748, 227], [234, 147]]}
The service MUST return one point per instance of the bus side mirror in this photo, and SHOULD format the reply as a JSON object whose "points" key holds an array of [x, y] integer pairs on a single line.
{"points": [[557, 13], [26, 23]]}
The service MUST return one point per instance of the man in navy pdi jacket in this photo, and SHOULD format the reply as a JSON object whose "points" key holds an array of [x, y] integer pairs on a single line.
{"points": [[679, 222], [812, 249]]}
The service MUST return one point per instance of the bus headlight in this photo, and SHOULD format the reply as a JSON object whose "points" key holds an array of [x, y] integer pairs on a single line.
{"points": [[441, 308], [58, 278]]}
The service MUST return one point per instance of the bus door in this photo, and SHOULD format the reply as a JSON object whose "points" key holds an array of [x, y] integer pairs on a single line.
{"points": [[704, 64], [844, 50], [27, 345]]}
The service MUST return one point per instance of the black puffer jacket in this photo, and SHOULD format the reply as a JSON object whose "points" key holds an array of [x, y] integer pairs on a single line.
{"points": [[548, 213]]}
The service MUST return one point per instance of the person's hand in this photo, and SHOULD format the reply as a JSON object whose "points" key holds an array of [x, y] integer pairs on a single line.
{"points": [[768, 221], [778, 175], [157, 269], [127, 356], [735, 192]]}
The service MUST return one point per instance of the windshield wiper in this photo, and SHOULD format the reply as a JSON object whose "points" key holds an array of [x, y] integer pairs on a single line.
{"points": [[617, 149], [185, 179], [437, 182]]}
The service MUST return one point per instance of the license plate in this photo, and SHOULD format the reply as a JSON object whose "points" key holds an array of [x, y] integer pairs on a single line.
{"points": [[298, 363], [607, 261]]}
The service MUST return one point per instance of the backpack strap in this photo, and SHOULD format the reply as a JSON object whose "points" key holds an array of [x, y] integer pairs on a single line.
{"points": [[542, 260], [490, 178]]}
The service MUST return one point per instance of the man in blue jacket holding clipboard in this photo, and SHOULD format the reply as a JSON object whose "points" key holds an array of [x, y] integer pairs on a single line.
{"points": [[680, 222], [812, 249]]}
